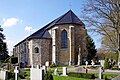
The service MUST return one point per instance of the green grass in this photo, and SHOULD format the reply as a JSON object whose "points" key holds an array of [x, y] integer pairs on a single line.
{"points": [[105, 75], [28, 73], [68, 78], [59, 69], [108, 76]]}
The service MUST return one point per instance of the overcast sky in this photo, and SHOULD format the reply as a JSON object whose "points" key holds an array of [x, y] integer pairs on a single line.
{"points": [[20, 18]]}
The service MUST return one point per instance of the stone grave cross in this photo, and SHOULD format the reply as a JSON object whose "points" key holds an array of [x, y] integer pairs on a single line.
{"points": [[86, 70], [100, 73], [16, 72]]}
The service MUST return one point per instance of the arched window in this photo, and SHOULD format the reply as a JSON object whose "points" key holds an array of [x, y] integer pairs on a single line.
{"points": [[36, 50], [64, 39]]}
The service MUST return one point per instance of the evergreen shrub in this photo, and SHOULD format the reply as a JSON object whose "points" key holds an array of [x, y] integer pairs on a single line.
{"points": [[52, 65], [48, 76]]}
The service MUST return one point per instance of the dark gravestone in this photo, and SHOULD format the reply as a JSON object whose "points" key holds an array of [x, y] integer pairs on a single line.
{"points": [[14, 60]]}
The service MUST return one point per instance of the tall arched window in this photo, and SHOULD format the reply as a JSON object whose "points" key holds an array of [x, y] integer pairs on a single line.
{"points": [[36, 50], [64, 39]]}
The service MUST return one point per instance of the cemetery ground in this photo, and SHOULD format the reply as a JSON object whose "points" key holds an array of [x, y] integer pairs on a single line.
{"points": [[79, 73], [83, 72], [73, 72]]}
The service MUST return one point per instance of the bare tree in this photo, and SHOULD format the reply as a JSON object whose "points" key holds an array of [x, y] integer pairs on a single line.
{"points": [[103, 17]]}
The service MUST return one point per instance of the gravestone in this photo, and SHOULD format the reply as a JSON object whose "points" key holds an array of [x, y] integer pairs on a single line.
{"points": [[56, 72], [16, 72], [79, 69], [86, 70], [44, 68], [92, 63], [9, 66], [86, 62], [38, 66], [102, 62], [32, 66], [47, 63], [100, 73], [118, 64], [64, 71], [36, 74], [79, 56], [3, 75]]}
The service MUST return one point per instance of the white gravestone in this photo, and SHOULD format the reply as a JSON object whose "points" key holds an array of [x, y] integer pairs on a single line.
{"points": [[56, 72], [118, 64], [36, 74], [86, 63], [79, 56], [32, 66], [102, 62], [47, 63], [92, 63], [86, 70], [2, 75], [100, 73], [44, 68], [38, 66], [16, 72], [64, 71]]}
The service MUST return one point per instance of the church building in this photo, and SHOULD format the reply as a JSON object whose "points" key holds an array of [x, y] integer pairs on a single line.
{"points": [[62, 42]]}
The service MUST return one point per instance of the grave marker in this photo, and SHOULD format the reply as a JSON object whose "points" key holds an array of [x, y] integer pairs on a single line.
{"points": [[16, 72], [47, 63], [44, 68], [3, 75], [56, 72], [92, 63], [100, 73], [118, 64], [64, 71], [86, 63], [102, 62], [36, 73]]}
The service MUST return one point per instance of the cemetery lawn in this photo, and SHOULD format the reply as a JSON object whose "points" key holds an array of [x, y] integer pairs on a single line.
{"points": [[67, 78], [108, 76], [59, 69]]}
